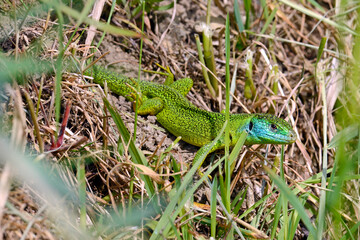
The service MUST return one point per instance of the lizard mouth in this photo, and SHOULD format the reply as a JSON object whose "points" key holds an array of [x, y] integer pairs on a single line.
{"points": [[281, 138]]}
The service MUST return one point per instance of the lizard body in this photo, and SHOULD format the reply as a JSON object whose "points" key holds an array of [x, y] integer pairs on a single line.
{"points": [[196, 126]]}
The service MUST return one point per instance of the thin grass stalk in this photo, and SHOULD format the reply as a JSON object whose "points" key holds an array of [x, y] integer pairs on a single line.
{"points": [[39, 95], [189, 193], [165, 153], [208, 12], [247, 8], [107, 22], [269, 20], [237, 202], [136, 155], [264, 5], [249, 89], [227, 113], [253, 207], [132, 172], [82, 192], [203, 68], [276, 218], [238, 19], [16, 31], [106, 126], [322, 204], [185, 219], [233, 84], [213, 207], [283, 199], [209, 56], [85, 11], [284, 40], [60, 7], [139, 72], [177, 234], [227, 201], [162, 226], [292, 198], [58, 66], [209, 49], [35, 121], [358, 153], [228, 215]]}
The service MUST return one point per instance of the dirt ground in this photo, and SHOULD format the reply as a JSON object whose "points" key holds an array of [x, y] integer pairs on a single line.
{"points": [[170, 42]]}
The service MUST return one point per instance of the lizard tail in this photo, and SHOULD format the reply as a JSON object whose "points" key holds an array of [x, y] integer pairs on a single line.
{"points": [[119, 84]]}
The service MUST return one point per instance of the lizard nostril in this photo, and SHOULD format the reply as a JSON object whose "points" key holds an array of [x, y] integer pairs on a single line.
{"points": [[293, 135]]}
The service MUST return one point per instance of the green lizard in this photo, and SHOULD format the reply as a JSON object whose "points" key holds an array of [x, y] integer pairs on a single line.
{"points": [[195, 126]]}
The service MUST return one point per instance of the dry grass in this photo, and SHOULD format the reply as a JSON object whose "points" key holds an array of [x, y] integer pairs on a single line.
{"points": [[28, 111]]}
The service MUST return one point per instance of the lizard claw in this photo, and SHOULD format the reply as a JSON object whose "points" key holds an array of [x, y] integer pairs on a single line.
{"points": [[169, 75]]}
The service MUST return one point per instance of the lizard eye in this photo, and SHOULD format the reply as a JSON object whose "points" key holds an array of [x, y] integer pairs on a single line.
{"points": [[273, 127], [251, 125]]}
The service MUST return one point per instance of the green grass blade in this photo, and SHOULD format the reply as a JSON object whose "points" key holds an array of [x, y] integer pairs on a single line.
{"points": [[82, 192], [320, 76], [351, 232], [344, 135], [236, 150], [247, 7], [227, 113], [237, 13], [213, 206], [268, 21], [321, 49], [277, 215], [162, 226], [292, 199], [258, 203], [137, 156]]}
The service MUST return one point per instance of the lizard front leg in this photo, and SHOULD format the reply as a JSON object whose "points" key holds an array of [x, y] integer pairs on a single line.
{"points": [[151, 106]]}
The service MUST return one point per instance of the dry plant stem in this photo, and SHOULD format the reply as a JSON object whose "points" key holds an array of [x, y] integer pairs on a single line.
{"points": [[283, 16], [16, 31], [32, 221], [284, 40], [105, 129], [94, 62], [317, 16], [322, 211], [52, 139], [18, 139], [105, 122], [223, 85], [249, 90], [71, 146], [34, 119], [259, 234], [168, 27], [96, 13], [275, 83], [298, 142], [4, 188]]}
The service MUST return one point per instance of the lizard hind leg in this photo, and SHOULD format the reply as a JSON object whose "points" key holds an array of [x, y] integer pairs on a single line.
{"points": [[151, 106], [182, 86]]}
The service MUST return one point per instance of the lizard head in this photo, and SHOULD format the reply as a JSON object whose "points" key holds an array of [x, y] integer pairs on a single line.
{"points": [[268, 129]]}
